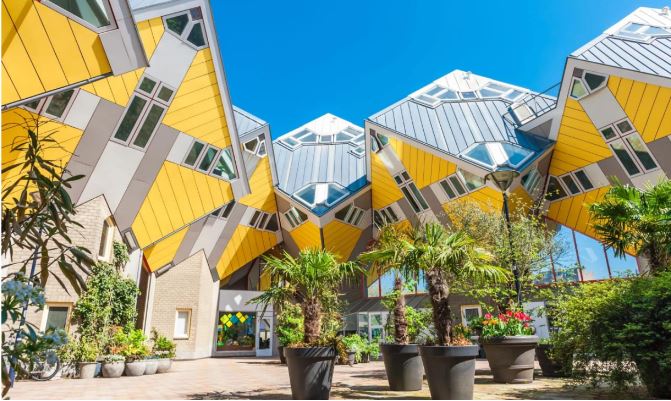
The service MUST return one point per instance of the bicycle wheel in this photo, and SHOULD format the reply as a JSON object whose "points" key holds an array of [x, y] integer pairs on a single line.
{"points": [[45, 367]]}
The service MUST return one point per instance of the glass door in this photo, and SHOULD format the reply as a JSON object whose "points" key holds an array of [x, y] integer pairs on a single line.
{"points": [[264, 337]]}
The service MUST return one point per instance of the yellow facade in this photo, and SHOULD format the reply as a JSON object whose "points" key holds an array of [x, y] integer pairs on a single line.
{"points": [[262, 194], [245, 245], [43, 50], [163, 252], [424, 168], [384, 189], [306, 236], [341, 238]]}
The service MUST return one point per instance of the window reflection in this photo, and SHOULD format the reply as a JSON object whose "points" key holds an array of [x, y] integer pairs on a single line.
{"points": [[621, 267], [592, 258]]}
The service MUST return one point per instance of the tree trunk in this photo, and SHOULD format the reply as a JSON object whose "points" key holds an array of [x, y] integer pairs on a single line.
{"points": [[312, 319], [400, 322], [439, 291]]}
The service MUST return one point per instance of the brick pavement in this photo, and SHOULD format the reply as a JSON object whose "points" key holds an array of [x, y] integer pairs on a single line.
{"points": [[249, 378]]}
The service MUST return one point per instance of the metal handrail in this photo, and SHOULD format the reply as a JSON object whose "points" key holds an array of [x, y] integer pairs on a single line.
{"points": [[530, 101]]}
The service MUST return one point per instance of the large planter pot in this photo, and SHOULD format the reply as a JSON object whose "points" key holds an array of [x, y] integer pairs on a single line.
{"points": [[511, 358], [280, 351], [310, 372], [135, 368], [450, 371], [549, 367], [164, 365], [403, 366], [87, 370], [150, 366], [365, 357], [113, 369]]}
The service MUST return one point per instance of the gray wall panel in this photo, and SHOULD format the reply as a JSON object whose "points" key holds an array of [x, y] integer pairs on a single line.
{"points": [[611, 167], [661, 149], [233, 221]]}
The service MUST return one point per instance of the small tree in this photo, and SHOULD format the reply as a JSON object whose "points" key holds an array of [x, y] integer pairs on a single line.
{"points": [[390, 253], [310, 280], [632, 219], [447, 258]]}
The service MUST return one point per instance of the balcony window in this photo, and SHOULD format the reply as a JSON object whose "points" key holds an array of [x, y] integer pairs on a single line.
{"points": [[94, 13]]}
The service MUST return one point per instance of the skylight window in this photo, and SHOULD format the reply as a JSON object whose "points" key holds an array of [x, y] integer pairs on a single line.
{"points": [[492, 90], [436, 94], [642, 32], [469, 95], [327, 194], [492, 154]]}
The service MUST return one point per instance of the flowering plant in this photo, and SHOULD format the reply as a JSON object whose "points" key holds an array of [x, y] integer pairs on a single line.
{"points": [[509, 323]]}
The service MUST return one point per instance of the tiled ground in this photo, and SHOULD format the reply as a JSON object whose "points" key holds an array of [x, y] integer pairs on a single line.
{"points": [[243, 378]]}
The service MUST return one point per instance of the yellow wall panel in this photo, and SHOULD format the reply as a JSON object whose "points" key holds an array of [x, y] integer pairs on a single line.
{"points": [[262, 194], [573, 211], [92, 50], [245, 245], [306, 236], [178, 197], [163, 252], [16, 61], [384, 189], [9, 93], [341, 238], [424, 168]]}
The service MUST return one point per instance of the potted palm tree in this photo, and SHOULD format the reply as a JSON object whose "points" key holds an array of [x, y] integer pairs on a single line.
{"points": [[447, 258], [311, 280], [402, 362]]}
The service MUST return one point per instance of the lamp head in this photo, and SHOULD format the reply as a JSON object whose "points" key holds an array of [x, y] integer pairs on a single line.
{"points": [[503, 177]]}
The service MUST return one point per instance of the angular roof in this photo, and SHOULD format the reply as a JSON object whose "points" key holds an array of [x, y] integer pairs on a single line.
{"points": [[246, 122], [639, 42], [327, 150], [461, 109]]}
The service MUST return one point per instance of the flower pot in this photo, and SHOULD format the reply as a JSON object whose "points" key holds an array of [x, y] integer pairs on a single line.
{"points": [[511, 358], [150, 366], [549, 367], [351, 358], [113, 369], [135, 368], [450, 371], [280, 351], [87, 370], [164, 365], [310, 372], [403, 366], [365, 357]]}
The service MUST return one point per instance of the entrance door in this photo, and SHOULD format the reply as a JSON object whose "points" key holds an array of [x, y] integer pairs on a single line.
{"points": [[264, 335]]}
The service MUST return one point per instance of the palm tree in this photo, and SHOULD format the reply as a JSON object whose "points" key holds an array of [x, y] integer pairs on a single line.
{"points": [[447, 258], [309, 280], [635, 219], [390, 253]]}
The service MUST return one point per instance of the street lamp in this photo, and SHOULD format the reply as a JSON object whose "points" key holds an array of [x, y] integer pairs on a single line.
{"points": [[503, 176]]}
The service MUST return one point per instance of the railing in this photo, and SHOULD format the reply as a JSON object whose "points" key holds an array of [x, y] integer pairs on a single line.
{"points": [[531, 107]]}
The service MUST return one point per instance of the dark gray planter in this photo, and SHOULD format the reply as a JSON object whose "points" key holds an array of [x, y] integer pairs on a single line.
{"points": [[549, 367], [403, 366], [365, 357], [450, 371], [134, 368], [280, 351], [113, 369], [310, 372], [87, 370], [150, 366], [164, 365], [511, 358], [351, 358]]}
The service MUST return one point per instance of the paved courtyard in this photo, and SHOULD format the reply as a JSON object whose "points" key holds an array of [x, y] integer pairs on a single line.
{"points": [[243, 378]]}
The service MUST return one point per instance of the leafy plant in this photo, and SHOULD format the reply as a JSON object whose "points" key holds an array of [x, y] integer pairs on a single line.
{"points": [[289, 325], [120, 254], [447, 258], [162, 347], [131, 344], [311, 280], [355, 343], [632, 219], [509, 323], [390, 253], [113, 358], [79, 350], [373, 348]]}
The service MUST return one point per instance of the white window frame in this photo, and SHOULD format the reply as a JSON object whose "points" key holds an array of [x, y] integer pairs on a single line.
{"points": [[638, 34], [187, 28], [388, 215], [460, 178], [563, 187], [583, 82], [534, 182], [202, 151], [45, 314], [622, 137], [214, 160], [262, 220], [112, 21], [106, 248], [182, 336], [294, 218], [256, 147], [353, 215], [463, 312], [224, 212], [406, 186], [43, 105], [566, 186]]}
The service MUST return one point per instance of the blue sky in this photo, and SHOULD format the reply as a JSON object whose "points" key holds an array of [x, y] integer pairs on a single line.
{"points": [[289, 62]]}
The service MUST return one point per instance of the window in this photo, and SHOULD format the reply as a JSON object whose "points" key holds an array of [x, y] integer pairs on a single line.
{"points": [[236, 331], [295, 217], [411, 192], [144, 112], [188, 26], [461, 183], [57, 317], [492, 154], [252, 145], [470, 312], [378, 141], [592, 257], [570, 184], [532, 181], [106, 239], [224, 211], [385, 216], [350, 214], [225, 167], [54, 106], [471, 180], [94, 13], [194, 153], [588, 82], [321, 194], [208, 159], [642, 32], [583, 179], [555, 190], [182, 323], [264, 221], [629, 148]]}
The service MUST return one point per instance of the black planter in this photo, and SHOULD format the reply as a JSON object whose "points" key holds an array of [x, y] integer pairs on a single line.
{"points": [[403, 365], [511, 358], [310, 372], [450, 371], [280, 351], [549, 367]]}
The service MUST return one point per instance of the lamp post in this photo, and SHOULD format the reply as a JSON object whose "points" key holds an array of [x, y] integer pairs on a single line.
{"points": [[503, 176]]}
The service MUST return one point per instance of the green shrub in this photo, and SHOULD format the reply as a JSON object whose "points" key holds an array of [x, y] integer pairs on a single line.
{"points": [[131, 344], [355, 343], [289, 325], [618, 332], [373, 348], [162, 346]]}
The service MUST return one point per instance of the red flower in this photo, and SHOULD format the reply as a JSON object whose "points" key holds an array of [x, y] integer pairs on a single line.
{"points": [[488, 315]]}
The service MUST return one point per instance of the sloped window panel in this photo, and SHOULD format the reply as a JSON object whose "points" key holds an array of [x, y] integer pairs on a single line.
{"points": [[272, 223], [457, 185], [334, 194], [307, 194], [594, 81], [225, 167], [165, 94], [570, 184], [59, 102], [208, 159], [342, 213], [177, 23], [480, 154], [624, 266], [448, 190], [147, 85], [608, 133], [584, 180], [197, 36], [194, 153], [92, 11], [641, 152], [592, 258], [472, 181], [625, 158], [130, 118], [516, 155], [148, 126], [555, 190], [578, 89]]}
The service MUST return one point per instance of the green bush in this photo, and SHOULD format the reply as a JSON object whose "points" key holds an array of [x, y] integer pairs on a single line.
{"points": [[162, 346], [617, 332], [373, 348], [289, 325], [355, 343], [131, 344]]}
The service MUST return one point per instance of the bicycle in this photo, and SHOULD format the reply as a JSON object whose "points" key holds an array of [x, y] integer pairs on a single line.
{"points": [[42, 367]]}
